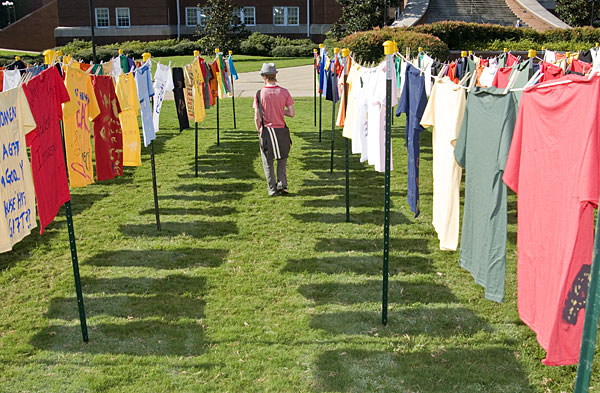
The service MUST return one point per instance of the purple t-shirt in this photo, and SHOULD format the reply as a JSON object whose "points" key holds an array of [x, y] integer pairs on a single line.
{"points": [[274, 99]]}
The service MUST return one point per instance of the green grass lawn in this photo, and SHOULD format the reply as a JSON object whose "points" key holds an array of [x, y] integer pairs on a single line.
{"points": [[242, 63], [244, 293], [17, 53]]}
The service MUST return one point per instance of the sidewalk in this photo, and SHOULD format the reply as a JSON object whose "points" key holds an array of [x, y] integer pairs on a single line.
{"points": [[298, 80]]}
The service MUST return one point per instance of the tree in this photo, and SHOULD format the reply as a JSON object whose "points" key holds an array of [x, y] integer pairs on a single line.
{"points": [[578, 12], [360, 15], [223, 30]]}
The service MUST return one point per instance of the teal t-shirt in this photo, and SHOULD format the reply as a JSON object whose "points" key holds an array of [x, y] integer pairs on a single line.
{"points": [[482, 150]]}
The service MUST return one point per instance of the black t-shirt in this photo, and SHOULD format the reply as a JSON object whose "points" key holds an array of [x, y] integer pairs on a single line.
{"points": [[179, 84]]}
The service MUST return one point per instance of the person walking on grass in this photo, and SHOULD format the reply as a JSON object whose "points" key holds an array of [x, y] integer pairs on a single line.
{"points": [[271, 104]]}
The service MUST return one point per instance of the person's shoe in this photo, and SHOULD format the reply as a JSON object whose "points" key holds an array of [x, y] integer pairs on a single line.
{"points": [[274, 194], [284, 191]]}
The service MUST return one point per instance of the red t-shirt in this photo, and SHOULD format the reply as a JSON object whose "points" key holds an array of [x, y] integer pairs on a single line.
{"points": [[502, 77], [580, 66], [108, 136], [554, 167], [550, 72], [273, 100], [511, 59], [45, 94]]}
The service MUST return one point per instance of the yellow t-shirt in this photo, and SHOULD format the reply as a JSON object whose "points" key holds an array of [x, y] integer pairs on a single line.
{"points": [[199, 110], [188, 92], [16, 182], [130, 106], [77, 114]]}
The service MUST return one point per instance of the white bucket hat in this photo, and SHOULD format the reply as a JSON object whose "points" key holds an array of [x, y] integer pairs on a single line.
{"points": [[268, 69]]}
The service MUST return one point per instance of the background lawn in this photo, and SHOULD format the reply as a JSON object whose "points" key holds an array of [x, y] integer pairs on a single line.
{"points": [[244, 293]]}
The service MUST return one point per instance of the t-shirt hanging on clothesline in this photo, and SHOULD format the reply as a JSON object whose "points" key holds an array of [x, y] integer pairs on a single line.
{"points": [[163, 81], [143, 81], [199, 110], [189, 92], [179, 98], [444, 112], [78, 112], [108, 136], [130, 106], [11, 79], [46, 93], [16, 183]]}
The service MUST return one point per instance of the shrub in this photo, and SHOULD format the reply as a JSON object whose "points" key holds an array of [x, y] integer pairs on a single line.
{"points": [[258, 44], [293, 51], [368, 45]]}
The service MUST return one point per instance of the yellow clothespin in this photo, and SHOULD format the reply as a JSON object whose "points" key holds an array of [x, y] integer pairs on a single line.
{"points": [[321, 46], [470, 52], [230, 52], [17, 58], [543, 48], [49, 56], [420, 49], [196, 53], [505, 50], [217, 51], [388, 48], [120, 51], [146, 56], [463, 53], [345, 52], [532, 53], [597, 44]]}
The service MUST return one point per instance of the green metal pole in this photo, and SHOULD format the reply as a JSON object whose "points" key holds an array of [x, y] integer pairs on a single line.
{"points": [[590, 323], [74, 259], [320, 113], [155, 189], [196, 160], [315, 86], [218, 118], [333, 91], [346, 139], [386, 212]]}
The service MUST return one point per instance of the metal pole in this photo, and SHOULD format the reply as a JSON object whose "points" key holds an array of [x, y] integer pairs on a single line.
{"points": [[345, 53], [590, 323], [233, 101], [592, 17], [389, 58], [320, 113], [333, 91], [218, 136], [315, 85], [196, 159], [74, 259], [156, 212], [92, 30]]}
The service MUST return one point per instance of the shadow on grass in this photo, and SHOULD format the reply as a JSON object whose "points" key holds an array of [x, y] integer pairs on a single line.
{"points": [[179, 258], [373, 217], [206, 198], [367, 264], [419, 245], [435, 320], [221, 187], [370, 292], [183, 211], [197, 229], [489, 369]]}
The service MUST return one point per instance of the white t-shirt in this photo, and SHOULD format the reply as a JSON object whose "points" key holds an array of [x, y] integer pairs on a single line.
{"points": [[376, 118], [353, 88], [363, 87], [487, 76], [16, 181], [444, 112], [163, 81], [11, 79]]}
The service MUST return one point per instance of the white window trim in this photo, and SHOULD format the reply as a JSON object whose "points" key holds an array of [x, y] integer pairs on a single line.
{"points": [[197, 9], [96, 17], [285, 16], [243, 18], [117, 17]]}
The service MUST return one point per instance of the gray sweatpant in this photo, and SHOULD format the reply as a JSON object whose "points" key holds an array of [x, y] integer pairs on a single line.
{"points": [[272, 182]]}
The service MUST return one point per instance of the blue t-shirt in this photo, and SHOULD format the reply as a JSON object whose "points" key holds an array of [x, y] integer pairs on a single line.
{"points": [[413, 102], [143, 81]]}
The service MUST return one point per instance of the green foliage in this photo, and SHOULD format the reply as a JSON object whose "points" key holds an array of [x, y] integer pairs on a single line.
{"points": [[223, 29], [360, 15], [28, 59], [264, 45], [578, 12], [368, 45]]}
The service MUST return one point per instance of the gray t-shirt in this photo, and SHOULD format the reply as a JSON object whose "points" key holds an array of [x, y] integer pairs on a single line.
{"points": [[482, 150]]}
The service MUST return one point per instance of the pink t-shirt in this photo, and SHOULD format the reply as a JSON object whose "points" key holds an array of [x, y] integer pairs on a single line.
{"points": [[274, 99], [554, 167]]}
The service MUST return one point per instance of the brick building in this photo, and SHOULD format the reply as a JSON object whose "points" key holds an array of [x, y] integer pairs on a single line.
{"points": [[122, 20]]}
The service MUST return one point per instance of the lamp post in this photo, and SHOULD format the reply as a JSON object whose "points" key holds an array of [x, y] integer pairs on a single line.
{"points": [[592, 16], [8, 5]]}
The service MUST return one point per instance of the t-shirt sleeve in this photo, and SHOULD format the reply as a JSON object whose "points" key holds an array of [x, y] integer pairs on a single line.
{"points": [[94, 108], [61, 90], [513, 162], [148, 79], [403, 103], [122, 95], [169, 86], [460, 149], [255, 104], [25, 116]]}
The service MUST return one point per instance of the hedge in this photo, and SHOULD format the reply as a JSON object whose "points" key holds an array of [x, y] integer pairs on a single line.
{"points": [[368, 45]]}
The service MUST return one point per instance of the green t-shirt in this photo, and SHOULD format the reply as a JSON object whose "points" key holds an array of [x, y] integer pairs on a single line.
{"points": [[482, 150]]}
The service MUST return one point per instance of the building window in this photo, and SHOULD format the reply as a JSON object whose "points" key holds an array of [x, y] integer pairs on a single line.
{"points": [[195, 16], [123, 19], [246, 15], [102, 18], [286, 16]]}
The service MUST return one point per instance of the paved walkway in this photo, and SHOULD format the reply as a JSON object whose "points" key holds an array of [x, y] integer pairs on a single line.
{"points": [[298, 80]]}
